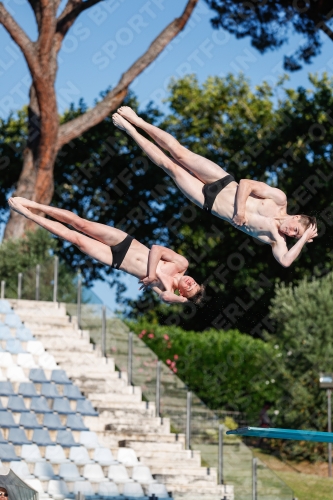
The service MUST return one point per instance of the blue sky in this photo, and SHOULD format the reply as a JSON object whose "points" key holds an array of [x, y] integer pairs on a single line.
{"points": [[108, 38]]}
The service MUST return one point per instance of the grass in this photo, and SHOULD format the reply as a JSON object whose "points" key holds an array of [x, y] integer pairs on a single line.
{"points": [[308, 481]]}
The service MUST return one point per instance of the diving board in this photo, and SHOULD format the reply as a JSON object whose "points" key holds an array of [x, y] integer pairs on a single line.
{"points": [[273, 433]]}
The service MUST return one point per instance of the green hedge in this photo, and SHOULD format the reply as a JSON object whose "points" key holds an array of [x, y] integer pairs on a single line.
{"points": [[227, 370]]}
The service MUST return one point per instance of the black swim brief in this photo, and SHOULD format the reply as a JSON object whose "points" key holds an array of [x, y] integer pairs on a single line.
{"points": [[119, 251], [210, 191]]}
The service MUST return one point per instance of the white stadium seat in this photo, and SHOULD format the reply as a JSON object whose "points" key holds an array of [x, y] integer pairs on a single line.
{"points": [[94, 473], [127, 457], [142, 475], [118, 474]]}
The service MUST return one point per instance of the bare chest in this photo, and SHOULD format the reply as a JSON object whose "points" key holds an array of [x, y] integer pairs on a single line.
{"points": [[168, 275]]}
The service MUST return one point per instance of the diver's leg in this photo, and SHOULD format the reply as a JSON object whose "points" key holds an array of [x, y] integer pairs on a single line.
{"points": [[205, 170]]}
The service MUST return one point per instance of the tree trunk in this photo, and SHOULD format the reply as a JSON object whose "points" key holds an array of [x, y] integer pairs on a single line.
{"points": [[36, 179], [46, 136]]}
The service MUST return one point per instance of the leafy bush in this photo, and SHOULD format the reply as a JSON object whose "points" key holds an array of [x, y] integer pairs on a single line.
{"points": [[227, 370], [304, 320]]}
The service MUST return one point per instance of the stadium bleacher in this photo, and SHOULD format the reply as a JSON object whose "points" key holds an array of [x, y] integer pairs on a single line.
{"points": [[44, 438]]}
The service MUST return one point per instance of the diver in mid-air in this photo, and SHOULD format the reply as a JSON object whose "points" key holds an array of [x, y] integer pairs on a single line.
{"points": [[255, 208]]}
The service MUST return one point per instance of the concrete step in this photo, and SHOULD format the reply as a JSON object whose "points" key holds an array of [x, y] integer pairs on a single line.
{"points": [[118, 397], [119, 405], [132, 440], [154, 445], [138, 428], [58, 334], [152, 422], [182, 456], [39, 305], [161, 462], [67, 344], [102, 386], [48, 322], [191, 473], [199, 490]]}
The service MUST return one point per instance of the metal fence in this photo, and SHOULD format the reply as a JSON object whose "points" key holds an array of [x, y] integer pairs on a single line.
{"points": [[203, 429]]}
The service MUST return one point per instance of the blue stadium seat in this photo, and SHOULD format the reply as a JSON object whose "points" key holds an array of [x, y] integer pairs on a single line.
{"points": [[60, 377], [58, 489], [7, 453], [44, 471], [62, 406], [5, 333], [5, 307], [53, 422], [37, 375], [18, 437], [12, 320], [6, 389], [39, 405], [14, 346], [69, 472], [85, 407], [75, 423], [66, 439], [16, 404], [50, 391], [72, 392], [24, 334], [29, 421], [41, 437], [6, 420], [27, 390]]}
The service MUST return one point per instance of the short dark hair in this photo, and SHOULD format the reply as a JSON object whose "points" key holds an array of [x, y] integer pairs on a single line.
{"points": [[307, 221], [3, 490], [198, 297]]}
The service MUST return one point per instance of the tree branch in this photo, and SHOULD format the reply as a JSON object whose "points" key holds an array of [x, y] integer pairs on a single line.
{"points": [[35, 5], [79, 125], [47, 30], [72, 10], [326, 29], [21, 39]]}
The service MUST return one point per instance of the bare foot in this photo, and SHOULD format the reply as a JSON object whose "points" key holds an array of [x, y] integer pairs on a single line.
{"points": [[24, 202], [130, 115], [121, 123], [17, 207]]}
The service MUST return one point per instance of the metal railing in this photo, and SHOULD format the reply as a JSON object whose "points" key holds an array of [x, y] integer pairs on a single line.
{"points": [[201, 428]]}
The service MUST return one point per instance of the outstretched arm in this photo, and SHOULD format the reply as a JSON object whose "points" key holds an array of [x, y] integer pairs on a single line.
{"points": [[260, 189], [286, 257], [170, 297]]}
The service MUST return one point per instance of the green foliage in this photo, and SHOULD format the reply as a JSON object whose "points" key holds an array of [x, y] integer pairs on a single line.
{"points": [[304, 319], [269, 23], [22, 256], [103, 176], [227, 370], [241, 130]]}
